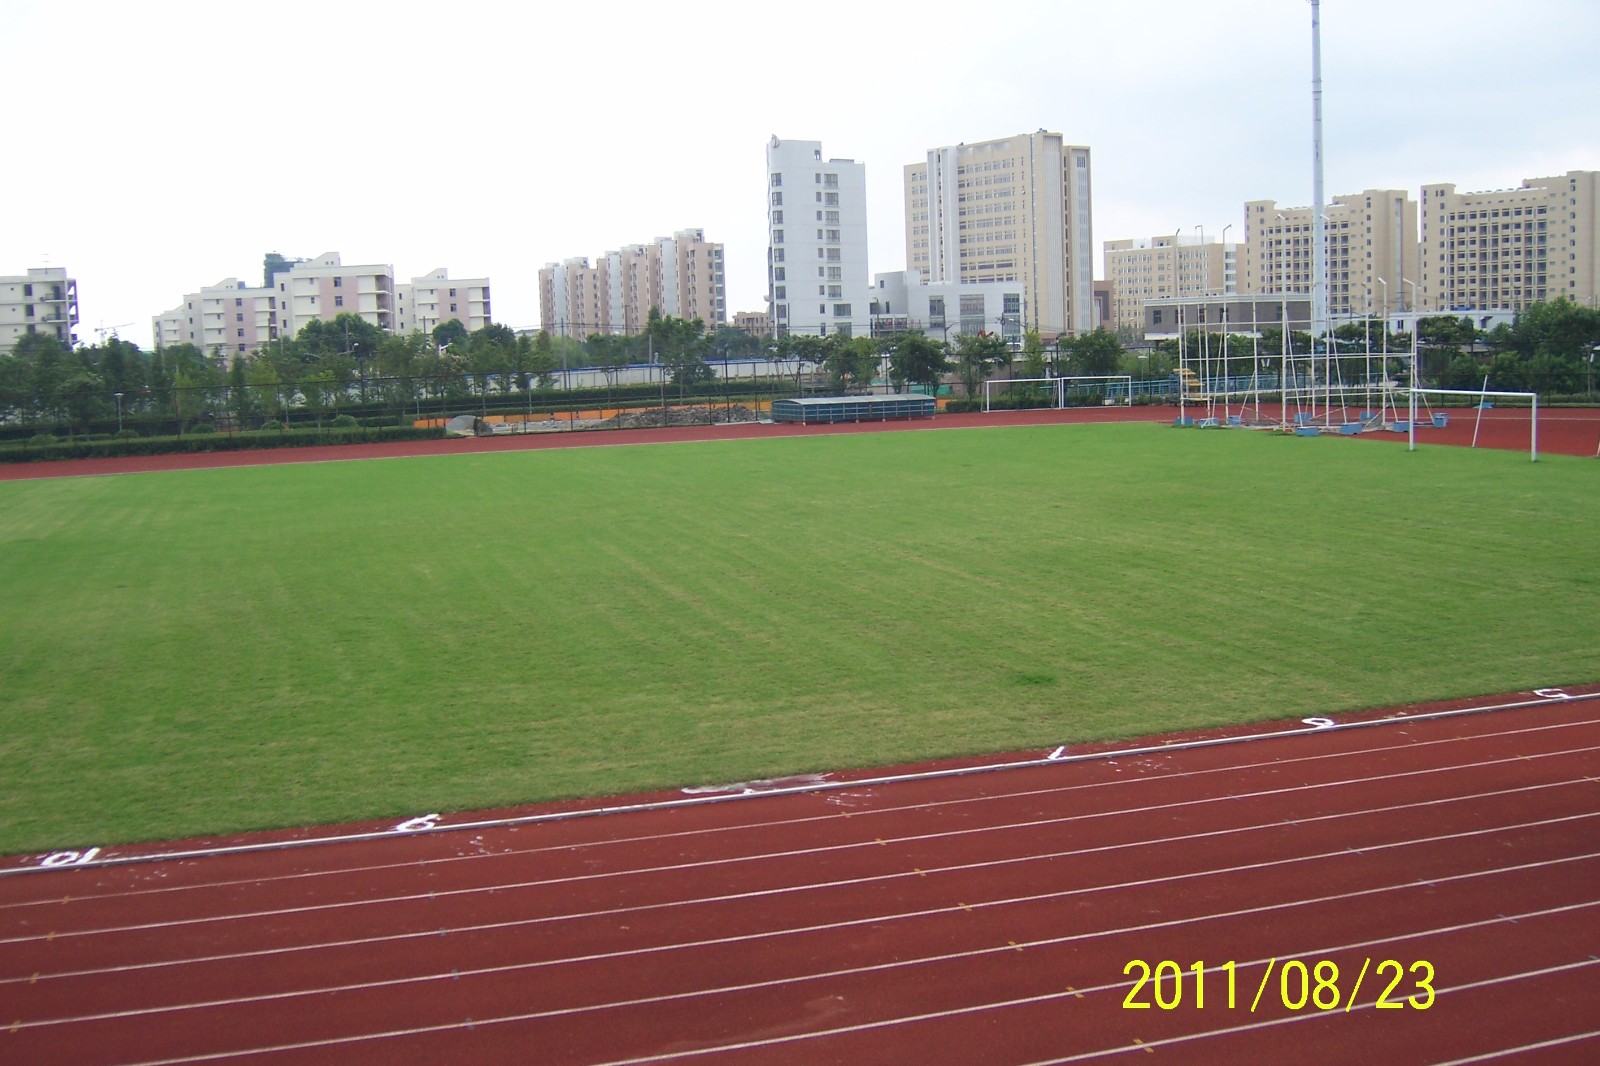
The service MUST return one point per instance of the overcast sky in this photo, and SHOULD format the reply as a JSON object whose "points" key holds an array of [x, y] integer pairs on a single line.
{"points": [[156, 147]]}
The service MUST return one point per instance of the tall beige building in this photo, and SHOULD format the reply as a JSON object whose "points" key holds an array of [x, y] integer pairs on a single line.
{"points": [[1370, 236], [1513, 247], [1159, 268], [227, 320], [1016, 209], [682, 276]]}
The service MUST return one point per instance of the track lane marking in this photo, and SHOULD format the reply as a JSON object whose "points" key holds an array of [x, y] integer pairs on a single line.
{"points": [[415, 897]]}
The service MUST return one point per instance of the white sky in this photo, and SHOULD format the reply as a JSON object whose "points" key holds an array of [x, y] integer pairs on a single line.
{"points": [[170, 145]]}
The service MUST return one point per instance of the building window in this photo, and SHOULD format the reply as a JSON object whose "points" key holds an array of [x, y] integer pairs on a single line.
{"points": [[777, 199], [841, 310], [452, 307], [777, 218], [452, 293], [338, 283], [777, 180], [777, 236], [338, 301]]}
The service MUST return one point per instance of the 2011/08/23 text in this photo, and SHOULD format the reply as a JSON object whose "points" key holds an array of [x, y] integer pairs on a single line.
{"points": [[1301, 985]]}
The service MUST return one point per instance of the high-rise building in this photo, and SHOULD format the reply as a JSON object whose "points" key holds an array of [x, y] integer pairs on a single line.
{"points": [[1160, 268], [1372, 252], [1013, 209], [682, 276], [1506, 249], [816, 241], [44, 300], [435, 298]]}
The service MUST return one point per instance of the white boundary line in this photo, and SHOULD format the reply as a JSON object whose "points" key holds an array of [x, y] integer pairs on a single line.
{"points": [[888, 1022], [897, 874], [41, 863], [861, 813]]}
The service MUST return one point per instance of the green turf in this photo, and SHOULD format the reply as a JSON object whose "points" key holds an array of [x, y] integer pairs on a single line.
{"points": [[203, 651]]}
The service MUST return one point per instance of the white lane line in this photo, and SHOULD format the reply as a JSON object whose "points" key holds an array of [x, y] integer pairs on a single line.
{"points": [[1501, 1053], [416, 897], [522, 923], [1086, 890], [767, 828], [1123, 1049], [889, 1022], [1050, 759]]}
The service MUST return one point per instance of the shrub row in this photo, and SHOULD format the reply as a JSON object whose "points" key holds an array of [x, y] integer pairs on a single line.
{"points": [[206, 439]]}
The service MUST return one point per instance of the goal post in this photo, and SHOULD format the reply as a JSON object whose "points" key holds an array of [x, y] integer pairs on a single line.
{"points": [[1483, 404], [1116, 389]]}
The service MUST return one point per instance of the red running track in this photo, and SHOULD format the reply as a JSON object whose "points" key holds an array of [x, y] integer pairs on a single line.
{"points": [[1565, 431], [1448, 865]]}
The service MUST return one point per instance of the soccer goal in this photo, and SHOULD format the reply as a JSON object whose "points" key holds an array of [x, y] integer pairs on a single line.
{"points": [[1113, 390], [1486, 417]]}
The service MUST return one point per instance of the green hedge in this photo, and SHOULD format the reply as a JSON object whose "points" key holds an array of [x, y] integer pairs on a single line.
{"points": [[56, 448]]}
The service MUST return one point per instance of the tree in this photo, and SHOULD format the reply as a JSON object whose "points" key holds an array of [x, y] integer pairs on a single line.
{"points": [[1094, 354], [915, 359], [850, 362], [977, 355], [84, 397], [453, 331]]}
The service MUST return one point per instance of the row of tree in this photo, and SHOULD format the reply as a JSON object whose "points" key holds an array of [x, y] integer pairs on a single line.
{"points": [[1549, 348]]}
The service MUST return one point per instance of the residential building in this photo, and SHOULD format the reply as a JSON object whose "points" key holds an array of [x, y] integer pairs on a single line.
{"points": [[1509, 248], [1166, 317], [434, 298], [1179, 265], [227, 320], [44, 300], [1013, 209], [1372, 251], [682, 276], [816, 221], [755, 323], [902, 301], [324, 288]]}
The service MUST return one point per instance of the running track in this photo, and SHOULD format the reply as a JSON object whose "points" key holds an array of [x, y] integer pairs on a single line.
{"points": [[1562, 431], [984, 916]]}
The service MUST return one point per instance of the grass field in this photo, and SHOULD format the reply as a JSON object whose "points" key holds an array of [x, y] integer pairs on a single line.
{"points": [[206, 651]]}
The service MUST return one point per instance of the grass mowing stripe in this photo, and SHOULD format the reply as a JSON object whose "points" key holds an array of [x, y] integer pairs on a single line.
{"points": [[214, 650]]}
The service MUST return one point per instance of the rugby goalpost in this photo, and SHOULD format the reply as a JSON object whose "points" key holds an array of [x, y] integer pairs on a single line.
{"points": [[1121, 395], [1483, 396]]}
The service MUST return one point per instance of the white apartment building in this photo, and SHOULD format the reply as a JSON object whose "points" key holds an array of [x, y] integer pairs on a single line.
{"points": [[816, 241], [1178, 265], [682, 276], [324, 288], [1372, 251], [1509, 248], [902, 301], [228, 320], [1013, 209], [44, 300], [435, 298]]}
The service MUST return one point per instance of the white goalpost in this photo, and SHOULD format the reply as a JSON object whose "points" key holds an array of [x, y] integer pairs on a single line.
{"points": [[1483, 396], [1118, 388]]}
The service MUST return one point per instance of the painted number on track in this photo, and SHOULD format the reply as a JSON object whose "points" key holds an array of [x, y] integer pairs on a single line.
{"points": [[1551, 693], [417, 825], [69, 858], [1320, 723]]}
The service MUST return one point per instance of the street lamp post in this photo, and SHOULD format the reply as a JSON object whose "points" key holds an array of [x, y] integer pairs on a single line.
{"points": [[118, 395]]}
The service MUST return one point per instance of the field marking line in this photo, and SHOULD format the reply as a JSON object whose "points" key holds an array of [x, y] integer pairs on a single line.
{"points": [[825, 786], [1082, 890], [903, 1020], [767, 826], [414, 897], [1490, 1056], [993, 949], [853, 846]]}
